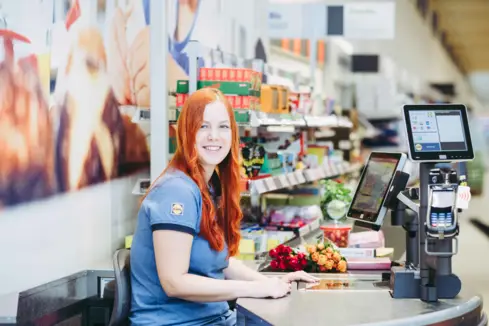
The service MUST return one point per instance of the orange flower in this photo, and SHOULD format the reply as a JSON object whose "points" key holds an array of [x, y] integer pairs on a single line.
{"points": [[321, 246], [329, 250], [311, 249], [341, 266], [329, 264], [315, 256], [336, 257], [329, 255], [322, 260]]}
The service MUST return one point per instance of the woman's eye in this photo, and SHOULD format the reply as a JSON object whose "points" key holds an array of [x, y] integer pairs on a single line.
{"points": [[225, 126], [203, 126]]}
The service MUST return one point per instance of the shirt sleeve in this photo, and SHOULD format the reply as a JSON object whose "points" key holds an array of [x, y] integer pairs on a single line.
{"points": [[174, 206]]}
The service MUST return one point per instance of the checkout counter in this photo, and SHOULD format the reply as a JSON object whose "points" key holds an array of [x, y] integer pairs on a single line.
{"points": [[77, 300], [424, 291], [83, 299]]}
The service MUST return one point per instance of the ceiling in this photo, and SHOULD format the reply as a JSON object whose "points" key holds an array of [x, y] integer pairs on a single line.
{"points": [[463, 29]]}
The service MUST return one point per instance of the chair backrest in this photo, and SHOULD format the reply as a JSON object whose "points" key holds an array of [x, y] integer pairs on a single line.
{"points": [[122, 295]]}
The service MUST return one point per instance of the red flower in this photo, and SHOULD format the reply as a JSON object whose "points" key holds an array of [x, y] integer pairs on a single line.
{"points": [[280, 249], [293, 262], [273, 253], [274, 264], [304, 262], [287, 250], [282, 265]]}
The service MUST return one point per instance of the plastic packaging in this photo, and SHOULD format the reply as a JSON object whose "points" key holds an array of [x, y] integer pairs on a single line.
{"points": [[337, 233]]}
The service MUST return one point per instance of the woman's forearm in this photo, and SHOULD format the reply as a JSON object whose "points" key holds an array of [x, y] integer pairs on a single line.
{"points": [[204, 289], [239, 271]]}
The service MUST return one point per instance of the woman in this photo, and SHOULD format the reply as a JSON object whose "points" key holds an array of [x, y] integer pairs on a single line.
{"points": [[182, 266]]}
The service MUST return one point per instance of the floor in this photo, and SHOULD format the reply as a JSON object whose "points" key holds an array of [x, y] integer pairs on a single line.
{"points": [[470, 263]]}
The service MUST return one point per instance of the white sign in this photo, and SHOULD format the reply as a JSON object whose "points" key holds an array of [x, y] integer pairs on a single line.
{"points": [[292, 179], [369, 20], [293, 20], [283, 180], [270, 184], [259, 186], [285, 21]]}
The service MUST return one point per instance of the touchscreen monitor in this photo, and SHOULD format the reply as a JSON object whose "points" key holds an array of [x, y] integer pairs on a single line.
{"points": [[438, 133], [367, 206]]}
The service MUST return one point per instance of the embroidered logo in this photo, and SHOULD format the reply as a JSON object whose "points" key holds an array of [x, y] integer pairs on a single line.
{"points": [[177, 209]]}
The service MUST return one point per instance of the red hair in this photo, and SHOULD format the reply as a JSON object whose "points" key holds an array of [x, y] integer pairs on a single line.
{"points": [[226, 227]]}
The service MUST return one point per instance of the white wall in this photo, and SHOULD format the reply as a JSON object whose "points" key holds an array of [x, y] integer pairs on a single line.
{"points": [[47, 240]]}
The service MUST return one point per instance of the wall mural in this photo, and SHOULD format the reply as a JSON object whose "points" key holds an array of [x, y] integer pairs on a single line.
{"points": [[71, 79]]}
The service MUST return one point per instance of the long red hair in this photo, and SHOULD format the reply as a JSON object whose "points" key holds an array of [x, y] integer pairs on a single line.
{"points": [[226, 227]]}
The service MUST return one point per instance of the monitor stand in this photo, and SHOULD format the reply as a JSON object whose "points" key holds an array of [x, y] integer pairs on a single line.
{"points": [[406, 281]]}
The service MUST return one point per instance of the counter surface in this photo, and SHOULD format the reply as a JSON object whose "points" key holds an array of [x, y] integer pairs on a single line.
{"points": [[350, 307], [334, 307]]}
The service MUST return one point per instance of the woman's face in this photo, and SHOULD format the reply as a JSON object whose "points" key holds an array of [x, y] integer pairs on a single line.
{"points": [[213, 140]]}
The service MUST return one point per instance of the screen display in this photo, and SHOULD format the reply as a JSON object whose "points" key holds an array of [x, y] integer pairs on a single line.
{"points": [[437, 131], [374, 185]]}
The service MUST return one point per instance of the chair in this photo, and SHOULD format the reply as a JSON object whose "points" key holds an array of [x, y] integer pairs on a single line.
{"points": [[122, 295]]}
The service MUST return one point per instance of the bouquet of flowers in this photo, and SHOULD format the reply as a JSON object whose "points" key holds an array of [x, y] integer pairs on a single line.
{"points": [[288, 260], [319, 258]]}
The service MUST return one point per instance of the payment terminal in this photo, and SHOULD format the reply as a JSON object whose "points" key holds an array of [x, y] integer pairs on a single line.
{"points": [[438, 136]]}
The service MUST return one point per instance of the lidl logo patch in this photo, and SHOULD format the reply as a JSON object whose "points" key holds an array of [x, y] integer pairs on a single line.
{"points": [[177, 209]]}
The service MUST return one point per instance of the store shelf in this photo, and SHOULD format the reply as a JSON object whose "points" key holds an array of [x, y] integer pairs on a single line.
{"points": [[310, 233], [267, 119], [327, 121], [283, 181], [262, 119]]}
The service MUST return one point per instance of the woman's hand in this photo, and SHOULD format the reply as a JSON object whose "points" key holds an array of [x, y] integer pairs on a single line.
{"points": [[299, 276], [271, 288]]}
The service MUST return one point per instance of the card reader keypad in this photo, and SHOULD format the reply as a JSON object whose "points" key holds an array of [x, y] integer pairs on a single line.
{"points": [[441, 220]]}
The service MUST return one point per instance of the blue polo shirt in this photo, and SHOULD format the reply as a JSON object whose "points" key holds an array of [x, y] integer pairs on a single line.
{"points": [[174, 203]]}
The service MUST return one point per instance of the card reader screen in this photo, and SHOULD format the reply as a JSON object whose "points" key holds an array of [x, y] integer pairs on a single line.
{"points": [[374, 184], [438, 131]]}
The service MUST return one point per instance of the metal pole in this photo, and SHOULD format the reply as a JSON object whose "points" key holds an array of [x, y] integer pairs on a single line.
{"points": [[428, 291], [159, 87], [313, 60]]}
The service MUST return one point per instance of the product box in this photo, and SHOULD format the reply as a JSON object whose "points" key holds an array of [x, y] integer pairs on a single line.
{"points": [[242, 116], [232, 75], [358, 252], [283, 94], [226, 87], [181, 98], [269, 99]]}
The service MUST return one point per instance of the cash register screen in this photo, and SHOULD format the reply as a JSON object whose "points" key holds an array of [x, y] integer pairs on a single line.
{"points": [[438, 132], [367, 204]]}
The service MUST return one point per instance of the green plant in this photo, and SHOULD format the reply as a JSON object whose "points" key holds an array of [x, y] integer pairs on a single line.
{"points": [[333, 190]]}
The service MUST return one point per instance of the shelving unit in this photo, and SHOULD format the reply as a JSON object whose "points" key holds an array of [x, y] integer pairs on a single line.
{"points": [[326, 171]]}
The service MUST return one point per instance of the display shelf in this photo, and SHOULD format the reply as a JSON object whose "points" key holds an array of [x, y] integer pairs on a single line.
{"points": [[270, 119], [327, 121], [254, 119], [287, 237], [327, 170]]}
